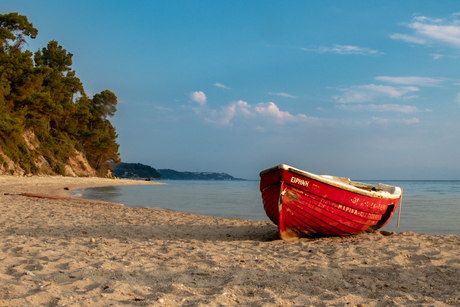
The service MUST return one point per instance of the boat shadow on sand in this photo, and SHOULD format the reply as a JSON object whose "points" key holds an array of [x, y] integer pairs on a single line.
{"points": [[147, 232], [73, 219]]}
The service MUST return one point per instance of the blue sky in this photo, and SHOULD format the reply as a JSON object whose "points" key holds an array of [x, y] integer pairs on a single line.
{"points": [[362, 89]]}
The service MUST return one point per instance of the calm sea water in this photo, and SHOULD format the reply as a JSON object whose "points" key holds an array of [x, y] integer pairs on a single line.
{"points": [[431, 207]]}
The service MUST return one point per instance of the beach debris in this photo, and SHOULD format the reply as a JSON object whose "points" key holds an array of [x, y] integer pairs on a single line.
{"points": [[30, 273], [92, 240], [386, 233], [66, 188]]}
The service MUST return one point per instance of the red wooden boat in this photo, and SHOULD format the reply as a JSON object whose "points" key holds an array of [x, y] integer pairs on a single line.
{"points": [[305, 204]]}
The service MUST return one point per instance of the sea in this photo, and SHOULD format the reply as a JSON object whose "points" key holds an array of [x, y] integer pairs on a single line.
{"points": [[430, 207]]}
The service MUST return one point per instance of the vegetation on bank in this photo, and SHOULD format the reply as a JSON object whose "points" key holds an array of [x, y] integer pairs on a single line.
{"points": [[41, 93], [135, 171], [141, 171], [170, 174]]}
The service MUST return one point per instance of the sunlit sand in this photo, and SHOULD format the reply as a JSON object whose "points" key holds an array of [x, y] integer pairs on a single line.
{"points": [[58, 252]]}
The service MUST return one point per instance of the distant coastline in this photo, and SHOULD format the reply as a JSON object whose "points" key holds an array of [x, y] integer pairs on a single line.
{"points": [[140, 171]]}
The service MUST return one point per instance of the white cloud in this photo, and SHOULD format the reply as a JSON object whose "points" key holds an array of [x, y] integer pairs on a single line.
{"points": [[437, 56], [344, 49], [283, 95], [409, 121], [408, 38], [222, 86], [264, 111], [227, 113], [430, 30], [446, 33], [366, 93], [199, 97], [379, 108], [427, 19], [386, 121], [422, 81], [271, 110]]}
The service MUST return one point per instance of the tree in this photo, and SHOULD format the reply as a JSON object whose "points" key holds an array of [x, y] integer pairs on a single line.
{"points": [[19, 79], [41, 92], [97, 135], [61, 82], [13, 27], [104, 104]]}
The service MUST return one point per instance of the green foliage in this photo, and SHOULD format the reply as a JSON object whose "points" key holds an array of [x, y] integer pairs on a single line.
{"points": [[54, 148], [135, 170], [13, 27], [10, 127], [44, 95], [19, 153], [104, 104], [26, 159]]}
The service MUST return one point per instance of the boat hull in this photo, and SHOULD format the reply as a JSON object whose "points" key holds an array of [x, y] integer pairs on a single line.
{"points": [[304, 205]]}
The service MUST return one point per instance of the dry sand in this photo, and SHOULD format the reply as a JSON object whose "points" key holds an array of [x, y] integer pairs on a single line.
{"points": [[70, 253]]}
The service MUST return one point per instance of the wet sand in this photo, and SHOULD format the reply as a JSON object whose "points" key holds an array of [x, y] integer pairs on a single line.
{"points": [[56, 252]]}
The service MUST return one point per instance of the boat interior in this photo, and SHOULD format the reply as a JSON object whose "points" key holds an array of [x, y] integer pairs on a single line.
{"points": [[364, 186]]}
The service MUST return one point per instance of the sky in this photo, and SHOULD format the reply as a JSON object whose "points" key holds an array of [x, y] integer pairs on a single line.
{"points": [[359, 89]]}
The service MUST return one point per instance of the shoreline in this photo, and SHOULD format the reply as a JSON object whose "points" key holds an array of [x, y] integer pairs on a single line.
{"points": [[54, 185], [57, 252]]}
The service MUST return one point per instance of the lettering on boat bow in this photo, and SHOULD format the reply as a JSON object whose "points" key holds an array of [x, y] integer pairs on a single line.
{"points": [[299, 181], [350, 210]]}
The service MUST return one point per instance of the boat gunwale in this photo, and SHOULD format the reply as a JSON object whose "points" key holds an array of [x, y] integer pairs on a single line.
{"points": [[375, 194]]}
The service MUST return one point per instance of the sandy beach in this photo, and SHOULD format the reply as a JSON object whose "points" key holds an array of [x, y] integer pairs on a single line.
{"points": [[57, 252]]}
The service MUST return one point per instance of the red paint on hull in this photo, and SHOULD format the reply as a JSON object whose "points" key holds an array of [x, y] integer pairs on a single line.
{"points": [[302, 203]]}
